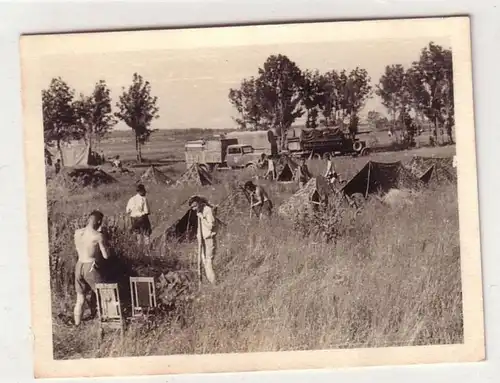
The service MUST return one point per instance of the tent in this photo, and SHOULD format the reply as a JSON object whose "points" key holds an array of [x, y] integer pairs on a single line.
{"points": [[196, 175], [182, 225], [432, 169], [317, 191], [155, 176], [74, 154], [377, 177], [287, 172], [236, 202]]}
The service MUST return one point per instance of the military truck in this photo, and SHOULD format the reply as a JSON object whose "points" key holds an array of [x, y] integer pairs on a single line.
{"points": [[210, 153], [242, 156]]}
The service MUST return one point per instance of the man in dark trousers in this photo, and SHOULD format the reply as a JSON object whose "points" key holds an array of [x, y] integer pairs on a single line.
{"points": [[138, 209]]}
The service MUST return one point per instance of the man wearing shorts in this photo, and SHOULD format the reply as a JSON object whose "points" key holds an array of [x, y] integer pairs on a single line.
{"points": [[138, 209], [89, 242]]}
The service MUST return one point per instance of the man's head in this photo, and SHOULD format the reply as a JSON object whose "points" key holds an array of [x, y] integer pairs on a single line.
{"points": [[302, 161], [263, 156], [249, 185], [196, 202], [95, 219], [327, 156], [141, 190]]}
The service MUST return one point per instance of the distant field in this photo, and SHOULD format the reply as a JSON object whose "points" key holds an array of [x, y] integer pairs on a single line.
{"points": [[168, 145]]}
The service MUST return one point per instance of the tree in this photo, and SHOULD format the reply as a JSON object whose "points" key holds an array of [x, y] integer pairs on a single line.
{"points": [[376, 120], [313, 90], [247, 104], [137, 108], [272, 99], [355, 89], [94, 113], [431, 85], [393, 89], [59, 118], [330, 100]]}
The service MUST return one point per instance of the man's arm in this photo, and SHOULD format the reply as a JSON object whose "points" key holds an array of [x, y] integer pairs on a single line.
{"points": [[103, 246], [258, 197], [146, 207]]}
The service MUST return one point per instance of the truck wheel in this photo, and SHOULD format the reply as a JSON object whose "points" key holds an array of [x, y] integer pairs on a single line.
{"points": [[357, 146], [251, 167], [365, 152], [317, 156]]}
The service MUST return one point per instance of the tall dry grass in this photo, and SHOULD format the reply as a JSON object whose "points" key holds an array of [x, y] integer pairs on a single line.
{"points": [[392, 278]]}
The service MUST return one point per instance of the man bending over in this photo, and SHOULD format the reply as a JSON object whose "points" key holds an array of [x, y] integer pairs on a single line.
{"points": [[89, 242]]}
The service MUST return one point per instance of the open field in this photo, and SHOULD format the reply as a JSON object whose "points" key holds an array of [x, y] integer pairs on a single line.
{"points": [[392, 278]]}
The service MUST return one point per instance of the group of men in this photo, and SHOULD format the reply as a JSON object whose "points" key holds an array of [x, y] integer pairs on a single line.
{"points": [[89, 241]]}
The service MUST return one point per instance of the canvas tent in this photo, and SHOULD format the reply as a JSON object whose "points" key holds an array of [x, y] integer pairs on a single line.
{"points": [[287, 172], [235, 203], [155, 176], [377, 177], [432, 169], [74, 154], [196, 175], [317, 191]]}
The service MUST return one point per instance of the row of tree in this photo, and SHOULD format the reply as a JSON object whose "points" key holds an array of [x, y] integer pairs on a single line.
{"points": [[67, 117], [281, 93]]}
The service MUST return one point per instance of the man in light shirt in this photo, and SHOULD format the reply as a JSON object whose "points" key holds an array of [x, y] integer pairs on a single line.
{"points": [[138, 209], [206, 235]]}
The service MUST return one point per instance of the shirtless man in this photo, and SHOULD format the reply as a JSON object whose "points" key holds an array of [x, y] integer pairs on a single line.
{"points": [[259, 198], [89, 242]]}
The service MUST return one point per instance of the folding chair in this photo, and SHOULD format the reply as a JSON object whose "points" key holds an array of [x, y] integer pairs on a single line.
{"points": [[109, 308], [143, 296]]}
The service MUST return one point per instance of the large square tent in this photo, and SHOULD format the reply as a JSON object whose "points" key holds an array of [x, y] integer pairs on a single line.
{"points": [[72, 154], [379, 177]]}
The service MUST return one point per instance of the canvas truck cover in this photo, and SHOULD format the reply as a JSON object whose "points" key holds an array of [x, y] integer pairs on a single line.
{"points": [[321, 134], [264, 141]]}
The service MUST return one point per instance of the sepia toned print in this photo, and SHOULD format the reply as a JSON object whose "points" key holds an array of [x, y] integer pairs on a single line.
{"points": [[252, 198]]}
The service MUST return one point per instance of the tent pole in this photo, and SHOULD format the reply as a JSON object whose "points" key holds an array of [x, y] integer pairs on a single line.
{"points": [[368, 181]]}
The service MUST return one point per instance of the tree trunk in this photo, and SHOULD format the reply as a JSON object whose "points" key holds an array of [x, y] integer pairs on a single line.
{"points": [[137, 149], [59, 149], [449, 132]]}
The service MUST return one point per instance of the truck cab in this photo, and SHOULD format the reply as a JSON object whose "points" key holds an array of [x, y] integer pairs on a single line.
{"points": [[241, 156]]}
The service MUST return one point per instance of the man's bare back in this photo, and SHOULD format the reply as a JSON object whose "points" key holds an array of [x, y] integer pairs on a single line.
{"points": [[89, 243]]}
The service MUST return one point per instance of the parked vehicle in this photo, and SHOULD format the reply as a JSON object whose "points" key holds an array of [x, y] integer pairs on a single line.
{"points": [[321, 141], [263, 141], [242, 156], [211, 153]]}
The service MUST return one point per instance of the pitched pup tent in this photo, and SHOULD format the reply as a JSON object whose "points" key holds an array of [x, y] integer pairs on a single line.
{"points": [[376, 177], [195, 175]]}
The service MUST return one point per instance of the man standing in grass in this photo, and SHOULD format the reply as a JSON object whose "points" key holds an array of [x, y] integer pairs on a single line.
{"points": [[88, 242], [259, 198], [138, 209], [206, 235]]}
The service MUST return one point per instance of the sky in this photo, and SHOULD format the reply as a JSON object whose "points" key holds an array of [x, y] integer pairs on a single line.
{"points": [[192, 85]]}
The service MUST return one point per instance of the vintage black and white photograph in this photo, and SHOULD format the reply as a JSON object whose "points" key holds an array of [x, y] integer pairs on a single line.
{"points": [[249, 190]]}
